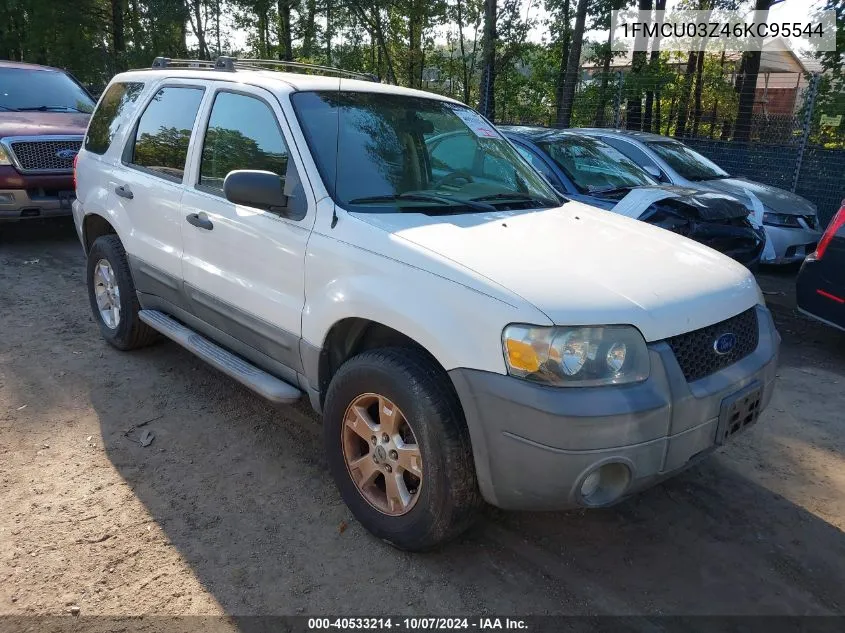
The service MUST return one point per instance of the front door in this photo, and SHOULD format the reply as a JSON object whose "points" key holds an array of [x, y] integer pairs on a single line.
{"points": [[244, 268]]}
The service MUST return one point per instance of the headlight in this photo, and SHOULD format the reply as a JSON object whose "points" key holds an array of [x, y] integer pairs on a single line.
{"points": [[4, 157], [576, 356], [781, 219]]}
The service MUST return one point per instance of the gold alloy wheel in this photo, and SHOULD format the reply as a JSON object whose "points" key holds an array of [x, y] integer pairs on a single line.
{"points": [[381, 454]]}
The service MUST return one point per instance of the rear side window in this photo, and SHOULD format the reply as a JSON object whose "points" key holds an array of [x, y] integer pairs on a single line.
{"points": [[110, 114], [164, 131]]}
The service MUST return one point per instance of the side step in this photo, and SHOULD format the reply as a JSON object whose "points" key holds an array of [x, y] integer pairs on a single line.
{"points": [[236, 367]]}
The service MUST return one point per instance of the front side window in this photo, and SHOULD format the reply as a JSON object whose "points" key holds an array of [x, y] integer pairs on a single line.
{"points": [[536, 162], [388, 153], [110, 114], [688, 163], [631, 151], [593, 166], [242, 134], [455, 152], [164, 131], [41, 90]]}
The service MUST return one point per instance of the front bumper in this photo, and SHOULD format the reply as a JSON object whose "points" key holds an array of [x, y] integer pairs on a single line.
{"points": [[24, 204], [789, 245], [534, 445], [34, 195]]}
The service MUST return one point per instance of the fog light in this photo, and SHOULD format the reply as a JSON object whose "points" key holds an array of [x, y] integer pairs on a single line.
{"points": [[590, 484], [605, 484], [7, 198]]}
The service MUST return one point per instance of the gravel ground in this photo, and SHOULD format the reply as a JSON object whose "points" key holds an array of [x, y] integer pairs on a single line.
{"points": [[231, 510]]}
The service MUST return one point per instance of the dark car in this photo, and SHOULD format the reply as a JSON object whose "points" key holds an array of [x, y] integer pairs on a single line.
{"points": [[586, 169], [820, 288], [43, 116]]}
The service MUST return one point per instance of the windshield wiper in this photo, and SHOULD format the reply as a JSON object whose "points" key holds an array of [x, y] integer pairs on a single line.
{"points": [[516, 195], [615, 189], [425, 197], [45, 108], [8, 109]]}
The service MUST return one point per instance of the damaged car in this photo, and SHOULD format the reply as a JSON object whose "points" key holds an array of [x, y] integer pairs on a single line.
{"points": [[591, 171], [790, 221]]}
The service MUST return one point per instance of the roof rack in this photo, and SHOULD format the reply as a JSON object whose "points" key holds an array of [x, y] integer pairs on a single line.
{"points": [[167, 62], [231, 64]]}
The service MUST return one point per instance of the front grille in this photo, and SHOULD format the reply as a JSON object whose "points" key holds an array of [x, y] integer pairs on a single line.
{"points": [[695, 351], [37, 155]]}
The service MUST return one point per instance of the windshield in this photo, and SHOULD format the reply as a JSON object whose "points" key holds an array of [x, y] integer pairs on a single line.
{"points": [[22, 89], [594, 166], [382, 153], [688, 163]]}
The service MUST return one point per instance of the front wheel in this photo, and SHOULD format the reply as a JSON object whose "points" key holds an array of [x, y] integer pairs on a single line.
{"points": [[399, 450]]}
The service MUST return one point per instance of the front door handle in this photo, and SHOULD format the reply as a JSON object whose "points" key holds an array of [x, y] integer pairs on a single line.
{"points": [[124, 192], [200, 220]]}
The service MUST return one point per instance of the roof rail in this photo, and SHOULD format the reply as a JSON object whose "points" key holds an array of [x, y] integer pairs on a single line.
{"points": [[232, 63], [167, 62]]}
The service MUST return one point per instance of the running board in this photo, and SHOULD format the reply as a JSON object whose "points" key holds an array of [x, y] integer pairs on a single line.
{"points": [[236, 367]]}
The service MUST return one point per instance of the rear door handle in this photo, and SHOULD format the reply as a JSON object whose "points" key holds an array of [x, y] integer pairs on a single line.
{"points": [[200, 220], [124, 192]]}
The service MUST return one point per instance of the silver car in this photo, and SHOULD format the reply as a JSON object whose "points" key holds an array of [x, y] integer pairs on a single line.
{"points": [[791, 222]]}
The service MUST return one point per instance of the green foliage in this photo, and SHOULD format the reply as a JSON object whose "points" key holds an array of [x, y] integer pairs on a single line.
{"points": [[431, 44]]}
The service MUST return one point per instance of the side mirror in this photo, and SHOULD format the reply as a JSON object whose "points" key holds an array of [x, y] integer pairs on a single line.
{"points": [[253, 188], [654, 172]]}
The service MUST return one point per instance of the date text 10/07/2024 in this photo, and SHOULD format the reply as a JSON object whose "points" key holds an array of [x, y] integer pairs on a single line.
{"points": [[417, 624]]}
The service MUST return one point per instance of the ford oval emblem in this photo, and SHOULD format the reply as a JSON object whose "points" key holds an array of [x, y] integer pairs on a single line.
{"points": [[67, 154], [724, 344]]}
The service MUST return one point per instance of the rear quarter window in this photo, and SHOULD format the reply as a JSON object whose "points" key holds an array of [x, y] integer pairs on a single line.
{"points": [[110, 114]]}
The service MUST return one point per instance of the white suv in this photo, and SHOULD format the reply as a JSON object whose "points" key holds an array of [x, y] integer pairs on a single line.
{"points": [[465, 332]]}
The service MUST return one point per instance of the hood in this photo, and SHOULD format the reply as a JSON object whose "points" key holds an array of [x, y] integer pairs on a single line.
{"points": [[43, 123], [701, 204], [583, 266], [773, 198]]}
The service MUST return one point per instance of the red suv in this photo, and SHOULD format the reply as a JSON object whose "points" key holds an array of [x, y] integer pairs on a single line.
{"points": [[43, 115]]}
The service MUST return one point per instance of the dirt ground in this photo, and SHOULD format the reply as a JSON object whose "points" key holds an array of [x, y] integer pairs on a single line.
{"points": [[231, 509]]}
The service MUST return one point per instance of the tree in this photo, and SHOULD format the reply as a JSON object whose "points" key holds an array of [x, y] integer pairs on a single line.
{"points": [[573, 65], [487, 86], [561, 28], [748, 90], [652, 107], [604, 52], [285, 30], [634, 114], [468, 14]]}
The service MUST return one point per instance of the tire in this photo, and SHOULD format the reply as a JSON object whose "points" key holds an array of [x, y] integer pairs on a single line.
{"points": [[130, 332], [447, 499]]}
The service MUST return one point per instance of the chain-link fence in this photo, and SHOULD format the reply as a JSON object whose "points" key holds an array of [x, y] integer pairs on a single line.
{"points": [[787, 130]]}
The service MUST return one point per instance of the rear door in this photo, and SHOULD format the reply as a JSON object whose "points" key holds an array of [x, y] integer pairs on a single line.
{"points": [[147, 186], [244, 268]]}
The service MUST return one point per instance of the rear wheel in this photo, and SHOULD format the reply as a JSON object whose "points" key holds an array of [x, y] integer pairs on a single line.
{"points": [[112, 295], [398, 448]]}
